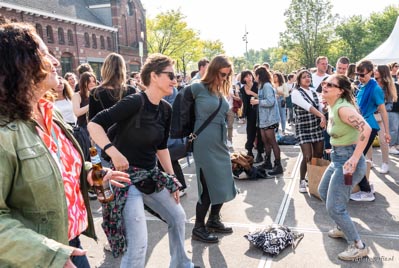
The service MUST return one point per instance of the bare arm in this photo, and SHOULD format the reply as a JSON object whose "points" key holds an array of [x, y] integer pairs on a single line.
{"points": [[77, 110], [97, 133], [317, 113], [384, 116], [351, 117]]}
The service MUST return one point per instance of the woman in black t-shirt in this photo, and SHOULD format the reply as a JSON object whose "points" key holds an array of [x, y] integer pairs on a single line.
{"points": [[136, 151]]}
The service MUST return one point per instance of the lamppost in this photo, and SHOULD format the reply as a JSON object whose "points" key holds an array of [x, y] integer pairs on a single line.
{"points": [[141, 49], [245, 39]]}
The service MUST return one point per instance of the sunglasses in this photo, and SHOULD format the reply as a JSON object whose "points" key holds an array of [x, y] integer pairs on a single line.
{"points": [[224, 74], [171, 75], [362, 75], [328, 84]]}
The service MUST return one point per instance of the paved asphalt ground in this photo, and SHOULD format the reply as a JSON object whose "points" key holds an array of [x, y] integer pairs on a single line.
{"points": [[263, 202]]}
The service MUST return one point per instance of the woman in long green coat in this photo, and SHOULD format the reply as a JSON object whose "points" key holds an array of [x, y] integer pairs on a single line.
{"points": [[212, 159]]}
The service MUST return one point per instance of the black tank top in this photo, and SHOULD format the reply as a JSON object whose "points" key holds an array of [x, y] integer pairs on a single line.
{"points": [[82, 120]]}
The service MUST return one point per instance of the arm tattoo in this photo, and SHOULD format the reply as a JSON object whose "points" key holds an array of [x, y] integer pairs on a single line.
{"points": [[356, 123]]}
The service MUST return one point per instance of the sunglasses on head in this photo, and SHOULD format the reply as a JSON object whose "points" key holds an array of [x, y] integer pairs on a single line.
{"points": [[328, 84], [223, 74], [362, 75], [171, 75]]}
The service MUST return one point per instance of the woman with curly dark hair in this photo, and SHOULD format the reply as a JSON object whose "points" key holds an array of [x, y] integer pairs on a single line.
{"points": [[44, 204]]}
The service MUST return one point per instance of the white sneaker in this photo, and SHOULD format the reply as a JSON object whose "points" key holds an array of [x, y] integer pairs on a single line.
{"points": [[336, 233], [302, 187], [229, 144], [352, 253], [372, 188], [393, 150], [362, 196], [384, 168]]}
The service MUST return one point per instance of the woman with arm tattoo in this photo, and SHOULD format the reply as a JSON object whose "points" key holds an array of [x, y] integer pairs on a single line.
{"points": [[349, 136]]}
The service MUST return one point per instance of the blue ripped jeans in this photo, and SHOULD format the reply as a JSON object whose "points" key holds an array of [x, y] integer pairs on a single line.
{"points": [[333, 190], [136, 227]]}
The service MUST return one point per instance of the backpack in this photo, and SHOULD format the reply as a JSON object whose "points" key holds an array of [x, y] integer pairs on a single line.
{"points": [[183, 115]]}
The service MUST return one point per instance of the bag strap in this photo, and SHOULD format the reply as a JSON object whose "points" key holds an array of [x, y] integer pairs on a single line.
{"points": [[308, 98], [194, 135]]}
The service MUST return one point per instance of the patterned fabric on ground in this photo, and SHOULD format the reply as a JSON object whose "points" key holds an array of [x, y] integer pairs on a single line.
{"points": [[112, 212], [274, 239]]}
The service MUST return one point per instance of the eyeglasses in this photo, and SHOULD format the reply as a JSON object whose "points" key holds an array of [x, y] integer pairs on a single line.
{"points": [[171, 75], [362, 75], [223, 74], [328, 84]]}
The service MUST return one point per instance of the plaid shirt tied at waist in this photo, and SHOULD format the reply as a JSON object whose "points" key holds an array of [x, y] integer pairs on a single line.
{"points": [[113, 224]]}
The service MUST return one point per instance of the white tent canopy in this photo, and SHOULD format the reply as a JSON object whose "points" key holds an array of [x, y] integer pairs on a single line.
{"points": [[388, 51]]}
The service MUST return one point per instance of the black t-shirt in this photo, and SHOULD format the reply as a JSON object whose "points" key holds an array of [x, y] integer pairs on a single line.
{"points": [[102, 98], [248, 109], [139, 145]]}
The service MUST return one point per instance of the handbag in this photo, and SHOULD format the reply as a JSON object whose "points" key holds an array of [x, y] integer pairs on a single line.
{"points": [[190, 139], [177, 149], [316, 168]]}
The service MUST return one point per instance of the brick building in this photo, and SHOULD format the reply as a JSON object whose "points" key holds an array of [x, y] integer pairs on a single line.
{"points": [[79, 31]]}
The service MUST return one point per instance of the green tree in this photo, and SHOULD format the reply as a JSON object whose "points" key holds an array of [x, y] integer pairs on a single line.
{"points": [[380, 26], [169, 34], [352, 34], [310, 26], [212, 48]]}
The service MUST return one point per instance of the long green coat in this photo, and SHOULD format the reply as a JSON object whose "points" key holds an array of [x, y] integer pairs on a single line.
{"points": [[211, 154]]}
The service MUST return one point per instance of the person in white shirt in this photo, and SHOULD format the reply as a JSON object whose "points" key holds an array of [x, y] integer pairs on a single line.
{"points": [[321, 72], [63, 102], [309, 122], [342, 65]]}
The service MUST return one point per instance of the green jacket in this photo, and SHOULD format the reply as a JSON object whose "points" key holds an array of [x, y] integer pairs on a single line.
{"points": [[33, 208]]}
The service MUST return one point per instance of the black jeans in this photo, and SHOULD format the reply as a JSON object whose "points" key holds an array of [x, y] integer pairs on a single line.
{"points": [[252, 131], [364, 184], [79, 261]]}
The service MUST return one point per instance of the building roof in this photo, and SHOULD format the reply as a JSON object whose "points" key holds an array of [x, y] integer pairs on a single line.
{"points": [[74, 9]]}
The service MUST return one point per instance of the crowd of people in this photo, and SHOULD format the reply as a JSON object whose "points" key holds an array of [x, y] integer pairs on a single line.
{"points": [[45, 178]]}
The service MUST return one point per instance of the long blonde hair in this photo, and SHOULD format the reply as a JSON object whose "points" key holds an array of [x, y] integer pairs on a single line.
{"points": [[113, 73], [388, 85], [212, 73]]}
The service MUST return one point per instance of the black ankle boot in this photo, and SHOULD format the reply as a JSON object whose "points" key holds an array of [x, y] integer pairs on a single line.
{"points": [[215, 225], [277, 169], [249, 153], [202, 234], [259, 158], [268, 163]]}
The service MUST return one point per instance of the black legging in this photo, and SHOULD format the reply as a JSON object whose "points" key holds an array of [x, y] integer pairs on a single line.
{"points": [[203, 206], [310, 150], [364, 184], [269, 141]]}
